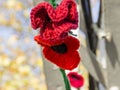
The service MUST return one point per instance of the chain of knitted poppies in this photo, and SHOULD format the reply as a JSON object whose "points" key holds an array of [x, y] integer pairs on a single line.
{"points": [[54, 26]]}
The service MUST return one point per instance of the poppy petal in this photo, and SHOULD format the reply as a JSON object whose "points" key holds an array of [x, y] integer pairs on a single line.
{"points": [[46, 42]]}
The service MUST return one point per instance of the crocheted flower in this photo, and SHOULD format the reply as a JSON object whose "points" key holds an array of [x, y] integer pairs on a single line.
{"points": [[75, 79], [54, 24], [64, 55]]}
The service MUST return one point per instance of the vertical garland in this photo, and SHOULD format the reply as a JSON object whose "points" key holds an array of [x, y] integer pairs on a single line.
{"points": [[39, 17]]}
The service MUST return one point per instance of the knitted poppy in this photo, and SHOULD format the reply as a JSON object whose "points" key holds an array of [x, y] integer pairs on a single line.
{"points": [[64, 55], [75, 79], [54, 24]]}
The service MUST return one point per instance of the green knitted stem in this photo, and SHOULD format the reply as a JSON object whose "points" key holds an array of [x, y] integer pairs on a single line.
{"points": [[53, 2], [67, 85]]}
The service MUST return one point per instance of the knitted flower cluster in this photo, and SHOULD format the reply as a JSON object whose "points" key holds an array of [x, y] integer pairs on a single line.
{"points": [[54, 25]]}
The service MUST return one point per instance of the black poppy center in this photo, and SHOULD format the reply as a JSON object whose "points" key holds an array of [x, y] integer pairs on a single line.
{"points": [[60, 48], [75, 77]]}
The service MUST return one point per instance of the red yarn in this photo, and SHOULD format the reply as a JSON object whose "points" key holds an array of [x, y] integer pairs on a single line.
{"points": [[68, 60], [46, 42], [75, 79], [54, 23]]}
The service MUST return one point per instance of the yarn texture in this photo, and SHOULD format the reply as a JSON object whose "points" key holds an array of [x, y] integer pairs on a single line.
{"points": [[54, 24]]}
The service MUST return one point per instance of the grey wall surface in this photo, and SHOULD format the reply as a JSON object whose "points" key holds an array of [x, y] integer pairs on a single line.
{"points": [[112, 24]]}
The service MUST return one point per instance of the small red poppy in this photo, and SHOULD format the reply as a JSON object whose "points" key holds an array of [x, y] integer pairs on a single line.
{"points": [[65, 55], [75, 79], [54, 23]]}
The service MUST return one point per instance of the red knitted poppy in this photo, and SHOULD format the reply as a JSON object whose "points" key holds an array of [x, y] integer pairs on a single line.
{"points": [[65, 60], [75, 79], [54, 23]]}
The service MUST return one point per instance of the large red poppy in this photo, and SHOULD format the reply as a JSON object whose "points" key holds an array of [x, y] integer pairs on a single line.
{"points": [[65, 55], [75, 79], [54, 23]]}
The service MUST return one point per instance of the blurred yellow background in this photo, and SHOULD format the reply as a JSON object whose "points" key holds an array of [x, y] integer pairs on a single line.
{"points": [[20, 61]]}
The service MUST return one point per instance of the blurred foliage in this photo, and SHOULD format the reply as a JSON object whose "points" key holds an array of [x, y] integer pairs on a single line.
{"points": [[21, 65]]}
